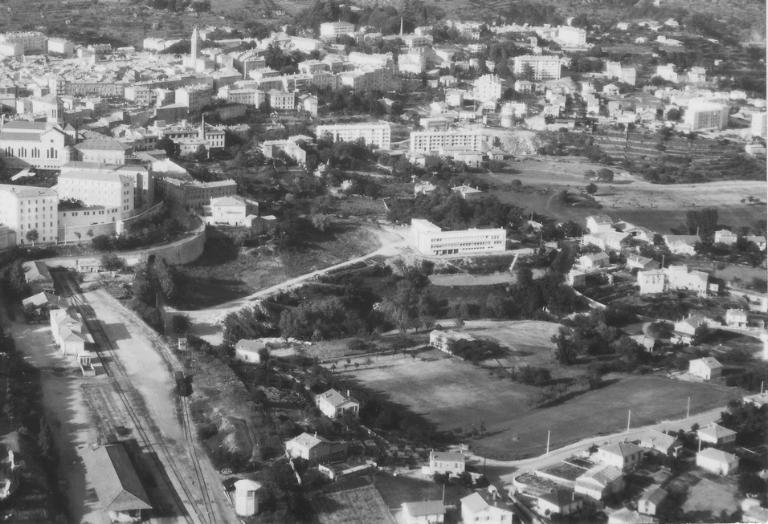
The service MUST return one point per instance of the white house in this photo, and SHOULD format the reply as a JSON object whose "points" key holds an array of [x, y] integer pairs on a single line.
{"points": [[658, 441], [681, 244], [599, 224], [69, 331], [446, 462], [443, 340], [648, 503], [557, 502], [716, 434], [736, 318], [477, 508], [651, 281], [685, 329], [705, 368], [333, 404], [314, 448], [593, 260], [725, 236], [426, 512], [621, 455], [629, 516], [717, 461], [229, 210], [600, 481]]}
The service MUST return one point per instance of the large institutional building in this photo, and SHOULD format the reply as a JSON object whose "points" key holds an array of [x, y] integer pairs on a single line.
{"points": [[703, 114], [27, 208], [449, 140], [38, 144], [373, 133], [431, 240]]}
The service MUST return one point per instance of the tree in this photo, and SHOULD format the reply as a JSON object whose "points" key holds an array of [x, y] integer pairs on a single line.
{"points": [[32, 235], [112, 262], [604, 175], [591, 189], [321, 221], [674, 115], [702, 221], [180, 324]]}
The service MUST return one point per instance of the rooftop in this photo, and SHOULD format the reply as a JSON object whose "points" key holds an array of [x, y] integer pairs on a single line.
{"points": [[116, 481]]}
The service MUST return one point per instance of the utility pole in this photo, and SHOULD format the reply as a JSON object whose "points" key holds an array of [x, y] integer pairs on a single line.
{"points": [[548, 434], [688, 408], [629, 418]]}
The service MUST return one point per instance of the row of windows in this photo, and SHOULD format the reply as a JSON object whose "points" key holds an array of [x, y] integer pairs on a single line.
{"points": [[23, 152]]}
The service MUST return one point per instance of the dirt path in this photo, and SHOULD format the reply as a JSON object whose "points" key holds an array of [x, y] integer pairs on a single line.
{"points": [[206, 323]]}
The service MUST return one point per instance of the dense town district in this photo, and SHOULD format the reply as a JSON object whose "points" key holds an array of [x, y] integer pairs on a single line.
{"points": [[410, 262]]}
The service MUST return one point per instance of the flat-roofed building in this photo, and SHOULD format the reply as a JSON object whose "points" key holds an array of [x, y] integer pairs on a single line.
{"points": [[704, 114], [448, 140], [376, 134], [429, 239], [332, 30], [537, 67], [97, 187], [29, 208]]}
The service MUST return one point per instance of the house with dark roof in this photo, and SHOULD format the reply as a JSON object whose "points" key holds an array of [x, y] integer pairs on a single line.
{"points": [[118, 487], [557, 502]]}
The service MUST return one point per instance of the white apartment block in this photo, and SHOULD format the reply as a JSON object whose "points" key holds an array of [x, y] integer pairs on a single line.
{"points": [[30, 41], [332, 30], [758, 127], [488, 88], [194, 97], [430, 240], [667, 72], [454, 139], [27, 208], [282, 100], [376, 134], [94, 187], [248, 96], [60, 46], [541, 67], [369, 79], [568, 36], [703, 114], [626, 74], [38, 144]]}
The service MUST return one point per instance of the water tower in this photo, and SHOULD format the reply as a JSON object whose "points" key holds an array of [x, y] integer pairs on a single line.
{"points": [[246, 497]]}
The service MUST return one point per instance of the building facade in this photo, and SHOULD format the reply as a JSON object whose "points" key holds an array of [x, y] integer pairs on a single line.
{"points": [[429, 239], [376, 134], [28, 208]]}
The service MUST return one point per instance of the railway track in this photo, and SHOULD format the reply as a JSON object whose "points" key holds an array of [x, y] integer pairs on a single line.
{"points": [[198, 510]]}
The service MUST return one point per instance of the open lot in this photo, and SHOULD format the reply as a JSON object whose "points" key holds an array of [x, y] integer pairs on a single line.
{"points": [[707, 497]]}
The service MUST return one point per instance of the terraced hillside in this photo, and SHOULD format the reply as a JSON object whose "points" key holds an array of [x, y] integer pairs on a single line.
{"points": [[676, 159]]}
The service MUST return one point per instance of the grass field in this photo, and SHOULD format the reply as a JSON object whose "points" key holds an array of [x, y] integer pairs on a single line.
{"points": [[709, 496], [651, 399], [450, 392]]}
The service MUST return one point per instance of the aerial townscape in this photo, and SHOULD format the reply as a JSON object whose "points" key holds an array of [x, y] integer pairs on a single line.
{"points": [[400, 262]]}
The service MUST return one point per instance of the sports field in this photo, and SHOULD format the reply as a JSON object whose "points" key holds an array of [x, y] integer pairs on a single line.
{"points": [[455, 394]]}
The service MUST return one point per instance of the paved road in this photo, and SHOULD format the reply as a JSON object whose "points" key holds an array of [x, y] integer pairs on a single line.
{"points": [[507, 469], [206, 323]]}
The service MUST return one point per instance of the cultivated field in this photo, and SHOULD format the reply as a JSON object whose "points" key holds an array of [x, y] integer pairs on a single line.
{"points": [[352, 505], [708, 496]]}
